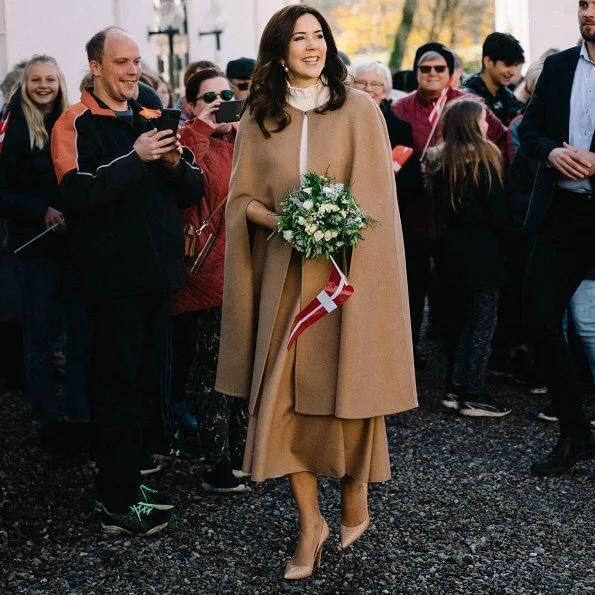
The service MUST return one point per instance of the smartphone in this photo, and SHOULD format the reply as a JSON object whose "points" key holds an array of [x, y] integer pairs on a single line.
{"points": [[169, 120], [229, 111]]}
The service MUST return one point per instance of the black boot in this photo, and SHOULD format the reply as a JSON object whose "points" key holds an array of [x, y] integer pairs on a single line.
{"points": [[568, 451]]}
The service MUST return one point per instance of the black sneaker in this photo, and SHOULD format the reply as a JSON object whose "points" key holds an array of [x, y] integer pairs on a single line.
{"points": [[220, 480], [179, 450], [482, 405], [548, 414], [141, 519], [146, 495], [453, 397], [149, 465]]}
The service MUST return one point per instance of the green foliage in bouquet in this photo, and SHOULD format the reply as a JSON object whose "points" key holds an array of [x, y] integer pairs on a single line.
{"points": [[322, 218]]}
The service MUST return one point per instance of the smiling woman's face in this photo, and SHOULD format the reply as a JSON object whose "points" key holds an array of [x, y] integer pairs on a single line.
{"points": [[42, 85], [432, 82], [306, 53]]}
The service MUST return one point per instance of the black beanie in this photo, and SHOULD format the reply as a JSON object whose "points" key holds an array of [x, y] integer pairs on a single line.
{"points": [[434, 46], [242, 68]]}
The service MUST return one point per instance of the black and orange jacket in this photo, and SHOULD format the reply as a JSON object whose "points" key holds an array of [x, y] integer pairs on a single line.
{"points": [[122, 213]]}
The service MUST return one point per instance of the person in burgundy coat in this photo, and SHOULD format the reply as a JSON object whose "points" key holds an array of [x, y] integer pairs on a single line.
{"points": [[196, 309], [434, 66]]}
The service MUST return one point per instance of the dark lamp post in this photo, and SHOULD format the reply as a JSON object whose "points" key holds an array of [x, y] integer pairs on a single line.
{"points": [[171, 32], [217, 33]]}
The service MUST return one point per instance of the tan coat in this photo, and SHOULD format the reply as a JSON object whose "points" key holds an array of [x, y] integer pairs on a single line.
{"points": [[357, 362]]}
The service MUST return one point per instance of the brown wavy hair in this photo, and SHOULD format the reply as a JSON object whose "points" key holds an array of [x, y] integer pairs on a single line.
{"points": [[464, 150], [267, 97], [197, 79]]}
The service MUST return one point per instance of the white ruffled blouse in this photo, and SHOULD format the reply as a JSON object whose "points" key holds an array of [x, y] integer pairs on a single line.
{"points": [[305, 100]]}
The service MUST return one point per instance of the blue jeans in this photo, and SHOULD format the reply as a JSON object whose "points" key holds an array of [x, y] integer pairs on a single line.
{"points": [[582, 310], [52, 305]]}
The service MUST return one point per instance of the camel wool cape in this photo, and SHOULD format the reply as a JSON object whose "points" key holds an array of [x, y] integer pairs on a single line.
{"points": [[356, 362]]}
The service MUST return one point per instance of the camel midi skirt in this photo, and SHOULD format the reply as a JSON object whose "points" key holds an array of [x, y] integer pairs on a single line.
{"points": [[281, 441]]}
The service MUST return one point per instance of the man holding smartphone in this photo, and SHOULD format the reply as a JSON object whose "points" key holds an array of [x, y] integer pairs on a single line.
{"points": [[123, 182]]}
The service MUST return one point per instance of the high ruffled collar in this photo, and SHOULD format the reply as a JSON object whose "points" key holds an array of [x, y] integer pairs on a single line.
{"points": [[308, 98]]}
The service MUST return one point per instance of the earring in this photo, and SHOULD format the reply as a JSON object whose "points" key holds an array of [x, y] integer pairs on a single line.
{"points": [[285, 68]]}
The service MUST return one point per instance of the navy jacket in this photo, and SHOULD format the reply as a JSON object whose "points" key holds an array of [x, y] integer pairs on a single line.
{"points": [[28, 186], [474, 249], [122, 213], [504, 104], [545, 127]]}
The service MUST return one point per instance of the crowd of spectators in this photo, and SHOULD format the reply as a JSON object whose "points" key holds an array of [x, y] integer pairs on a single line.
{"points": [[128, 331]]}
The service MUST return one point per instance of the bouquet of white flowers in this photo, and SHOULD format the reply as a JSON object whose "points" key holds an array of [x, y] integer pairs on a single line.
{"points": [[321, 217]]}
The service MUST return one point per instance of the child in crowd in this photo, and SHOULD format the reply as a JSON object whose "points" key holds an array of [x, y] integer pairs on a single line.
{"points": [[466, 178]]}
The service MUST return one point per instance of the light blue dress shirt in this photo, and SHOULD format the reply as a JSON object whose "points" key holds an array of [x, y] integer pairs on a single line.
{"points": [[582, 115]]}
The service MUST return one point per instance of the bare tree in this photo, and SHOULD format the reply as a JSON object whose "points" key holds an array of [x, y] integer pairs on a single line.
{"points": [[400, 43]]}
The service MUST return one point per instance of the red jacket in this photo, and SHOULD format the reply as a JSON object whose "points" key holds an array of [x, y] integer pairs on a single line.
{"points": [[421, 220], [214, 156]]}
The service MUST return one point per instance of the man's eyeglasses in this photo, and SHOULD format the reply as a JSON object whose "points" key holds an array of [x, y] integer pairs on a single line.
{"points": [[210, 96], [363, 84], [241, 86], [426, 68]]}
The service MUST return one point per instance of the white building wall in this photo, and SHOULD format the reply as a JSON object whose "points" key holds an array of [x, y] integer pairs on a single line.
{"points": [[539, 24], [244, 21], [60, 28]]}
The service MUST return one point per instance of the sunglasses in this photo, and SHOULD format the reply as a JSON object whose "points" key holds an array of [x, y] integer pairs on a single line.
{"points": [[425, 69], [210, 96], [241, 86]]}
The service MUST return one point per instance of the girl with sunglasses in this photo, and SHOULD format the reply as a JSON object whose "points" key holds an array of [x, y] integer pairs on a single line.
{"points": [[318, 408], [196, 309]]}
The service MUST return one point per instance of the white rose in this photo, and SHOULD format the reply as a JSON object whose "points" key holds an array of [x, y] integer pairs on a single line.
{"points": [[308, 204], [301, 220], [343, 213], [334, 234], [288, 235], [310, 229], [328, 235], [318, 236]]}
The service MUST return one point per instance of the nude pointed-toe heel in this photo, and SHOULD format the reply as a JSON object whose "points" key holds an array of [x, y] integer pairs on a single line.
{"points": [[296, 573], [350, 535]]}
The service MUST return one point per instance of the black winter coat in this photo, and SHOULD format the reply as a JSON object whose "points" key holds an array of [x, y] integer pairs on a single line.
{"points": [[409, 178], [476, 232], [123, 214], [28, 186]]}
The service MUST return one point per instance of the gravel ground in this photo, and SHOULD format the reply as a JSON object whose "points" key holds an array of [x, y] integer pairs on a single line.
{"points": [[460, 515]]}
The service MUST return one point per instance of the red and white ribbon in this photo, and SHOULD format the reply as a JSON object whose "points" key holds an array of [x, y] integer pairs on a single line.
{"points": [[3, 127], [401, 154], [434, 119], [336, 291]]}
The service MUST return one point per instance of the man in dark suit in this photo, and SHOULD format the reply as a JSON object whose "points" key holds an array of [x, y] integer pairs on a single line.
{"points": [[558, 130]]}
